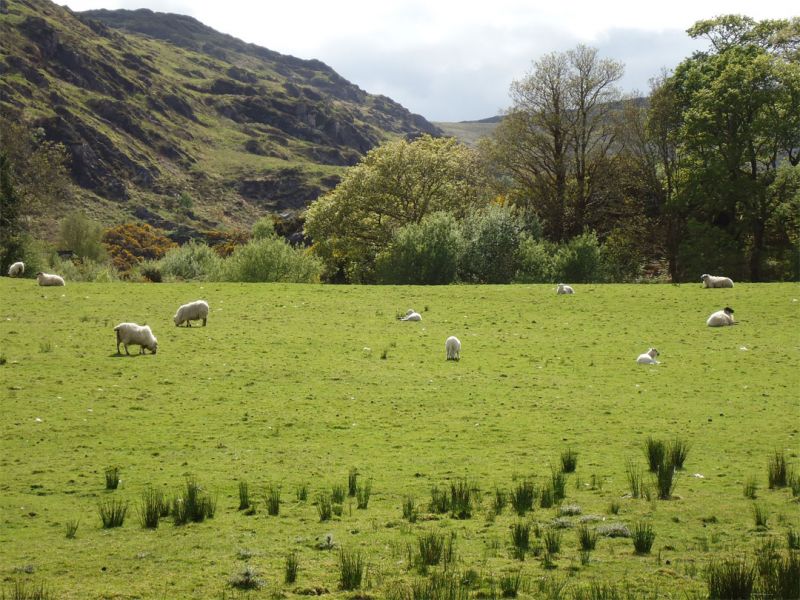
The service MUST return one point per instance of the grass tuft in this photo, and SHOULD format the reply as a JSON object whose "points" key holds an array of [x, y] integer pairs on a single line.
{"points": [[551, 538], [587, 538], [112, 513], [290, 567], [520, 538], [665, 479], [273, 500], [337, 494], [569, 461], [324, 507], [244, 495], [193, 505], [559, 485], [730, 578], [410, 509], [523, 496], [777, 470], [301, 493], [510, 584], [112, 478], [440, 501], [71, 528], [760, 515], [363, 493], [634, 476], [351, 569], [792, 539], [461, 495], [499, 501], [21, 591], [546, 495], [352, 482], [751, 488], [677, 452], [247, 579], [655, 451], [151, 507], [643, 537]]}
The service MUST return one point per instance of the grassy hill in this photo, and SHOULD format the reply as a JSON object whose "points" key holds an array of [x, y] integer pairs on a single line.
{"points": [[469, 132], [294, 385], [171, 122]]}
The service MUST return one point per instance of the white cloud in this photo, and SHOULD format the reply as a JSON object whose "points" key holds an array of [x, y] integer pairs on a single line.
{"points": [[454, 60]]}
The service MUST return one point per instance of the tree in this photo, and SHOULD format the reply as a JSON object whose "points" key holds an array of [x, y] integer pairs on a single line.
{"points": [[557, 136], [83, 236], [738, 118], [395, 184]]}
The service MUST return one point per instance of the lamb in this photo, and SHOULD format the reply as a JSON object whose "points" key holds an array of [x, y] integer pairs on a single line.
{"points": [[194, 311], [140, 335], [411, 315], [564, 289], [648, 358], [712, 281], [453, 348], [721, 318], [49, 279], [17, 269]]}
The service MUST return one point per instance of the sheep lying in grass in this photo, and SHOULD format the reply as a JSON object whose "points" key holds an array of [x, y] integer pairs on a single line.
{"points": [[721, 318], [138, 335], [452, 347], [712, 281], [648, 358], [17, 269], [49, 279], [564, 289], [411, 315], [194, 311]]}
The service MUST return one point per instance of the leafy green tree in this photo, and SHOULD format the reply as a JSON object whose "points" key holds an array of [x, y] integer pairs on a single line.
{"points": [[424, 253], [396, 184], [491, 245], [83, 236]]}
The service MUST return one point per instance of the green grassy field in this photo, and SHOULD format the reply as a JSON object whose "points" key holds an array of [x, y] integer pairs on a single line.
{"points": [[288, 385]]}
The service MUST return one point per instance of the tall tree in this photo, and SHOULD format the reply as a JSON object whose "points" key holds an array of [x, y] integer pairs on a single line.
{"points": [[557, 135]]}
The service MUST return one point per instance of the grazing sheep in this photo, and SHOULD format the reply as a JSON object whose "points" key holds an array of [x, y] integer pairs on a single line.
{"points": [[564, 289], [48, 279], [712, 281], [411, 315], [17, 269], [194, 311], [453, 348], [138, 335], [648, 358], [721, 318]]}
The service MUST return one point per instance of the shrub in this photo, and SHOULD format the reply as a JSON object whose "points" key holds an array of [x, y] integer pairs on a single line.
{"points": [[655, 451], [569, 461], [705, 248], [192, 261], [270, 260], [523, 496], [112, 513], [112, 478], [777, 470], [579, 261], [621, 256], [362, 495], [643, 537], [536, 262], [730, 578], [351, 569], [247, 579], [85, 269], [587, 539], [410, 509], [82, 236], [130, 243], [290, 568], [264, 229], [520, 538], [425, 253], [273, 500], [491, 245]]}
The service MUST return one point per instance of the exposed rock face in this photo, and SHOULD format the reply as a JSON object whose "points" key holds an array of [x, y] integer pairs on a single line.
{"points": [[148, 104]]}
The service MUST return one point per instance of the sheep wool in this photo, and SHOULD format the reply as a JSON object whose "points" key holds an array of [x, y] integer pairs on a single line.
{"points": [[564, 289], [713, 281], [648, 358], [411, 315], [45, 279], [721, 318], [137, 335], [194, 311], [17, 269], [452, 348]]}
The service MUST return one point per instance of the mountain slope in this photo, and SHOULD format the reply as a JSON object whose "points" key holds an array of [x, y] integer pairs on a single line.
{"points": [[169, 121]]}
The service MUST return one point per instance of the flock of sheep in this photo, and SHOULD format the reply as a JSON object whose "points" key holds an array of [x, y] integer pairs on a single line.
{"points": [[142, 335]]}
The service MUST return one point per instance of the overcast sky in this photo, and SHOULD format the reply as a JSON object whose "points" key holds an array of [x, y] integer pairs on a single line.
{"points": [[453, 60]]}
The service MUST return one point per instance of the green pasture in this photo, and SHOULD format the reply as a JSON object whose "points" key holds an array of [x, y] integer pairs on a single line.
{"points": [[297, 384]]}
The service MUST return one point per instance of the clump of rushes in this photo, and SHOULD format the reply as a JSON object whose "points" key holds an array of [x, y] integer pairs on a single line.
{"points": [[587, 539], [559, 484], [523, 496], [112, 478], [634, 475], [337, 494], [552, 541], [112, 513], [569, 460], [510, 584], [362, 495], [777, 470], [351, 569], [324, 507], [151, 507], [431, 548], [678, 452], [760, 515], [499, 501], [194, 505], [520, 538], [751, 488], [461, 494], [730, 578], [244, 495], [643, 537], [440, 500], [665, 479], [655, 450], [302, 492], [410, 509], [290, 568], [72, 528], [546, 495], [792, 539], [614, 507], [273, 500], [352, 482]]}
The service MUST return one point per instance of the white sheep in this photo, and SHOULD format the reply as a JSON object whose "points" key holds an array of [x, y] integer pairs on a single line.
{"points": [[648, 358], [712, 281], [49, 279], [564, 289], [411, 315], [194, 311], [452, 347], [721, 318], [17, 269], [138, 335]]}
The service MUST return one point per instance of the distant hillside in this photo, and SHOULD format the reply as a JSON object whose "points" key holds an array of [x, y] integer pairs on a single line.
{"points": [[171, 122], [469, 132]]}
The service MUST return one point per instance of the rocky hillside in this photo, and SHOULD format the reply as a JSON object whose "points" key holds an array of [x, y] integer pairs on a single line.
{"points": [[168, 121]]}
